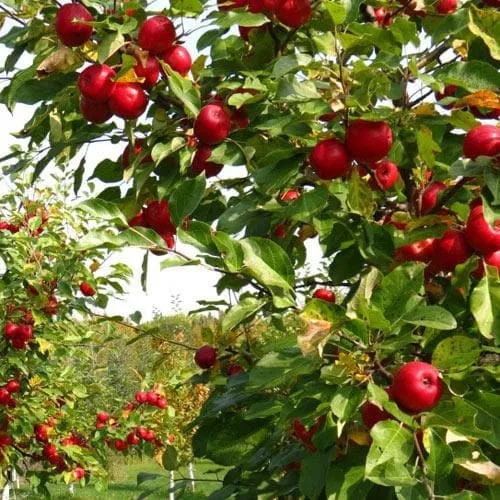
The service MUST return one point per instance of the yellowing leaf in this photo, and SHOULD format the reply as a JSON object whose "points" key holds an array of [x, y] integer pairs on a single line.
{"points": [[59, 60], [90, 50], [484, 471], [45, 345], [483, 98], [95, 266], [130, 77], [425, 109], [360, 437], [315, 336], [460, 47], [34, 381]]}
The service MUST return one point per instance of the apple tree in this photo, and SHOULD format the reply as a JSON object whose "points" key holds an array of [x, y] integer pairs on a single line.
{"points": [[361, 134]]}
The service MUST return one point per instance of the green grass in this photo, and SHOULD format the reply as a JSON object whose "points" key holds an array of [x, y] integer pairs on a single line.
{"points": [[123, 483]]}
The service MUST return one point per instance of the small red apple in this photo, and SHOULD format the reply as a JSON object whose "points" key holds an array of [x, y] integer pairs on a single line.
{"points": [[240, 118], [368, 141], [103, 416], [13, 386], [446, 6], [291, 194], [449, 251], [162, 403], [87, 289], [448, 91], [372, 414], [141, 397], [280, 231], [96, 82], [329, 159], [480, 235], [386, 174], [157, 216], [4, 396], [178, 58], [294, 13], [42, 432], [149, 70], [213, 124], [205, 357], [138, 143], [324, 294], [430, 196], [420, 251], [156, 34], [141, 432], [128, 100], [483, 140], [200, 163], [133, 438], [95, 112], [71, 32], [120, 445], [234, 370], [382, 16], [417, 386], [152, 398], [77, 473], [492, 259]]}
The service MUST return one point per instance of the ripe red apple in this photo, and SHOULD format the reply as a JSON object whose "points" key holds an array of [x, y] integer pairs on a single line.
{"points": [[103, 416], [213, 124], [382, 16], [71, 32], [448, 91], [372, 414], [141, 397], [42, 432], [280, 231], [95, 112], [420, 251], [152, 398], [417, 386], [138, 143], [386, 173], [162, 403], [324, 294], [96, 82], [291, 194], [479, 234], [430, 196], [120, 445], [13, 386], [149, 70], [141, 432], [157, 216], [200, 163], [5, 440], [483, 140], [240, 118], [446, 6], [234, 370], [4, 396], [128, 100], [484, 113], [133, 438], [77, 473], [178, 58], [87, 289], [329, 159], [156, 34], [449, 251], [294, 13], [368, 141], [149, 435], [492, 259], [205, 357], [51, 307]]}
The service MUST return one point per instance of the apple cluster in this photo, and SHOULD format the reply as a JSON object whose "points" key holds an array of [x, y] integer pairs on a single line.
{"points": [[18, 335], [6, 392], [151, 398]]}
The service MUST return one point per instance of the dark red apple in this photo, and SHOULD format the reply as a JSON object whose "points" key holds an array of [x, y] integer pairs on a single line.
{"points": [[446, 6], [234, 370], [368, 141], [417, 386], [178, 58], [141, 432], [449, 251], [152, 398], [141, 397], [13, 386], [138, 143], [205, 357], [280, 231], [71, 32], [448, 91], [492, 259], [480, 235], [87, 289], [294, 13], [149, 435], [120, 445], [324, 294], [213, 124], [156, 34], [483, 140], [77, 473], [95, 112], [240, 118], [420, 251], [200, 163], [372, 414], [382, 16], [329, 159], [133, 438], [42, 432], [162, 403], [157, 216], [149, 70], [430, 196], [96, 82], [386, 174], [103, 416], [128, 100]]}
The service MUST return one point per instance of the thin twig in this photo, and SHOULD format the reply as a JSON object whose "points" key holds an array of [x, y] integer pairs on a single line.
{"points": [[426, 482], [12, 16], [433, 55]]}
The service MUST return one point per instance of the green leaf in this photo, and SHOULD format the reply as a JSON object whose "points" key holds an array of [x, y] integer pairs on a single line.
{"points": [[185, 91], [230, 250], [492, 178], [431, 317], [188, 8], [177, 262], [110, 44], [227, 153], [391, 450], [360, 197], [317, 309], [198, 234], [486, 24], [308, 204], [263, 409], [231, 18], [439, 463], [169, 458], [345, 402], [186, 198], [313, 474], [456, 353], [289, 63], [270, 265], [142, 477], [471, 75], [245, 309], [346, 264], [485, 307], [427, 146], [104, 210], [162, 150]]}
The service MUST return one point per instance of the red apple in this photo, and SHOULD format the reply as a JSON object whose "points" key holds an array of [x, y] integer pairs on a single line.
{"points": [[162, 403], [95, 112], [149, 70], [420, 251], [280, 231], [448, 91], [483, 140], [77, 473], [103, 416], [430, 196], [480, 235], [213, 124], [382, 16], [205, 357], [120, 445], [492, 259], [96, 82], [200, 163], [133, 438], [329, 159], [372, 414], [87, 289], [157, 216], [152, 398], [138, 143], [386, 173], [141, 397], [291, 194], [240, 118], [4, 396], [42, 432], [446, 6], [417, 386], [71, 32], [141, 432], [294, 13], [449, 251], [324, 294], [234, 370], [13, 386], [368, 141], [156, 34], [5, 440], [128, 100], [178, 58]]}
